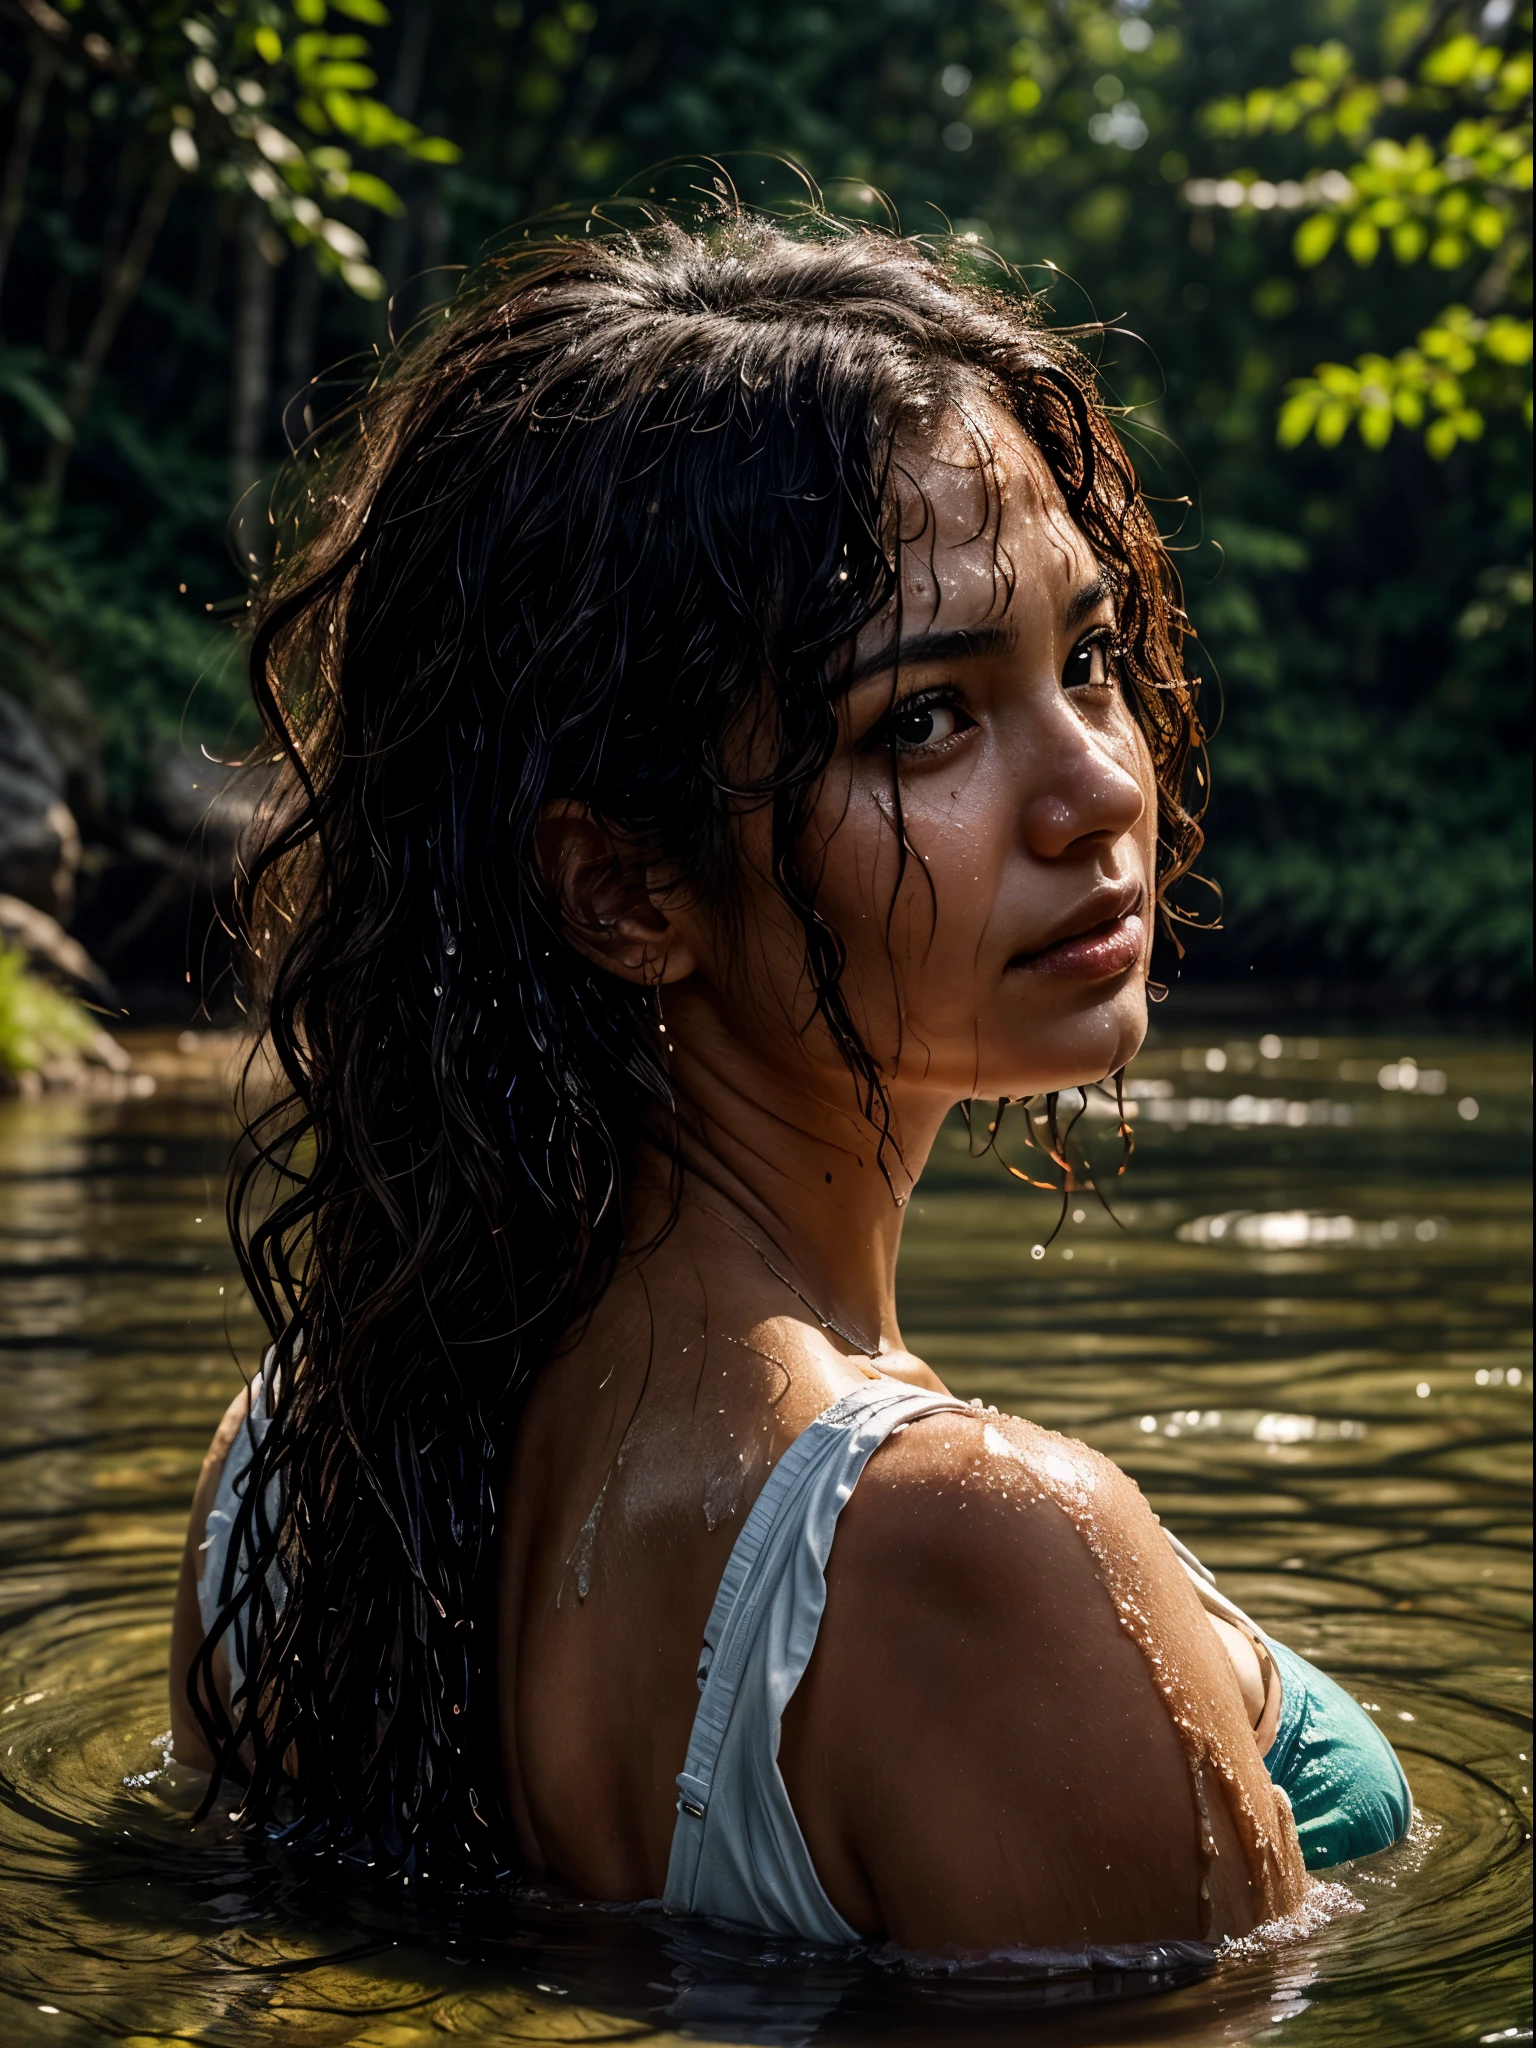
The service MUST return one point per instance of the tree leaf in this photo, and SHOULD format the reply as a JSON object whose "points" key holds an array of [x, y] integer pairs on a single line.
{"points": [[374, 192], [1408, 405], [1362, 238], [1314, 238], [36, 401], [1409, 241], [1452, 62], [1508, 340], [343, 77], [1332, 422], [1297, 415], [363, 279], [434, 149]]}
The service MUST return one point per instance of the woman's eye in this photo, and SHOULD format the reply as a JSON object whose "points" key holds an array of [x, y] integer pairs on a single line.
{"points": [[1088, 664], [914, 726]]}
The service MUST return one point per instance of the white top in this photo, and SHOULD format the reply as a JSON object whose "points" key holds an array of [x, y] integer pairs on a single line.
{"points": [[737, 1851], [219, 1581]]}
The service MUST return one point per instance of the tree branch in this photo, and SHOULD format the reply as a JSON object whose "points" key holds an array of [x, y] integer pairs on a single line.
{"points": [[18, 159]]}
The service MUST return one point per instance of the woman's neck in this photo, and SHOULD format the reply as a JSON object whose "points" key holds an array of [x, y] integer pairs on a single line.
{"points": [[789, 1163]]}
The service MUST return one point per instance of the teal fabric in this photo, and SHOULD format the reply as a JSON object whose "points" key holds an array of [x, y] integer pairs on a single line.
{"points": [[1335, 1766]]}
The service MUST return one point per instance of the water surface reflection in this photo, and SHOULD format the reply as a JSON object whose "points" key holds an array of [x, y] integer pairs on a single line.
{"points": [[1308, 1341]]}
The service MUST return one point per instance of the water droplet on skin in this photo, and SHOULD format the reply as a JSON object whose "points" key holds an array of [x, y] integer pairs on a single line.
{"points": [[1270, 1848], [722, 1496], [579, 1564]]}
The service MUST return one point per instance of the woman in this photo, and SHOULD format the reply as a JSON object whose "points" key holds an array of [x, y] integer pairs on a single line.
{"points": [[733, 712]]}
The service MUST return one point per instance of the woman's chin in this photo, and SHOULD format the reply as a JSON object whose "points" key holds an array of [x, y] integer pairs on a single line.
{"points": [[1073, 1052]]}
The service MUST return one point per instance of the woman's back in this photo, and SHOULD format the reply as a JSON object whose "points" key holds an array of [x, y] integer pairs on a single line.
{"points": [[958, 1578], [637, 1461]]}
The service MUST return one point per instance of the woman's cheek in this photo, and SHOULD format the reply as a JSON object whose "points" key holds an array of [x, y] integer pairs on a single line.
{"points": [[863, 874], [961, 826], [907, 917]]}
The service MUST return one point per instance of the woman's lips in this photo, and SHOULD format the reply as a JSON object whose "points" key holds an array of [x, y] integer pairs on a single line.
{"points": [[1093, 955]]}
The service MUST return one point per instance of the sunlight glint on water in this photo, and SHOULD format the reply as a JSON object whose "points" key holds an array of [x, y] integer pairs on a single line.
{"points": [[1308, 1342]]}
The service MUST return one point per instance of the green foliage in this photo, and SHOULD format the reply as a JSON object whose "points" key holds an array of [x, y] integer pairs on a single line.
{"points": [[1434, 381], [263, 97], [252, 96], [37, 1023], [157, 674], [1420, 202], [1465, 197], [1308, 227], [24, 376]]}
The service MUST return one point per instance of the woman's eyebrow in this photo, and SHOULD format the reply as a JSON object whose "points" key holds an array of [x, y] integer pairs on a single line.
{"points": [[1085, 599], [959, 643]]}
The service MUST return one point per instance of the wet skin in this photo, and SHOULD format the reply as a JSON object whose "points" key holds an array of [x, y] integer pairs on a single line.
{"points": [[979, 1753]]}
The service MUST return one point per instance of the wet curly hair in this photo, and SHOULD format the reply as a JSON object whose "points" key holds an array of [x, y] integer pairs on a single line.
{"points": [[633, 487]]}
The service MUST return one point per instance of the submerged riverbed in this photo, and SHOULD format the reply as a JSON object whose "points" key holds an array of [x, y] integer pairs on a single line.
{"points": [[1307, 1336]]}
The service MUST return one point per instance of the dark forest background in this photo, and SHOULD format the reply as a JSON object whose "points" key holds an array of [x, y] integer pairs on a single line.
{"points": [[1309, 223]]}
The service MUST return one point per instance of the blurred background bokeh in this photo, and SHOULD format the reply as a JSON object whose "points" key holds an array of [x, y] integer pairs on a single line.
{"points": [[1307, 224]]}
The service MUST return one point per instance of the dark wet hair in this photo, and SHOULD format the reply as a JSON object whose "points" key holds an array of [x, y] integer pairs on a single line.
{"points": [[633, 490]]}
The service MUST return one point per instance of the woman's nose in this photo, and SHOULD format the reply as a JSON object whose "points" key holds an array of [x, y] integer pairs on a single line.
{"points": [[1091, 796]]}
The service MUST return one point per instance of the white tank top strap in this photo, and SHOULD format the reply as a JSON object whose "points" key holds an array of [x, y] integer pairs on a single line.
{"points": [[737, 1850]]}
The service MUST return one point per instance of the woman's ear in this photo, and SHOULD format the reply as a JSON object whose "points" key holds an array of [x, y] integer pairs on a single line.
{"points": [[602, 886]]}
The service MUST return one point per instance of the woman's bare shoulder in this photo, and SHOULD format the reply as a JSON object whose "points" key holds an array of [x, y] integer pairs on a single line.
{"points": [[999, 1737]]}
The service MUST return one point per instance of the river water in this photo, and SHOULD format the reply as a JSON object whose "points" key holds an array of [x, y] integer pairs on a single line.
{"points": [[1306, 1335]]}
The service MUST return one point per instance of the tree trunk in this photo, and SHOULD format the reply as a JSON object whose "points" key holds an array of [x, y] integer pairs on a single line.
{"points": [[77, 142], [250, 394], [404, 94], [394, 255], [439, 281], [18, 158], [410, 58], [118, 294], [209, 267]]}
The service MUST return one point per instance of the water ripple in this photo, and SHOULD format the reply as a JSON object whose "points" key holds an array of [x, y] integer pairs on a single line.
{"points": [[1336, 1425]]}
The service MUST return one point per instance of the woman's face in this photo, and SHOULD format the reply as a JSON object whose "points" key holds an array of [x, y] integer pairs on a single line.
{"points": [[1010, 957]]}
